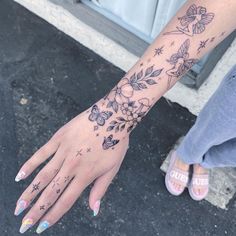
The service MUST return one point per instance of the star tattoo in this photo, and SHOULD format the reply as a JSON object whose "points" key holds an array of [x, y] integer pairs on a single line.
{"points": [[42, 207], [79, 153], [35, 187], [67, 178], [88, 149], [159, 51], [202, 45]]}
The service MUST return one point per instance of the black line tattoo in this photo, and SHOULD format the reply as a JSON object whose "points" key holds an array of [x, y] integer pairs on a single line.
{"points": [[141, 64], [222, 34], [79, 153], [109, 142], [133, 115], [172, 43], [180, 62], [55, 182], [35, 187], [193, 22], [67, 179], [202, 45], [158, 51], [99, 116], [212, 39], [42, 207], [124, 91], [97, 134]]}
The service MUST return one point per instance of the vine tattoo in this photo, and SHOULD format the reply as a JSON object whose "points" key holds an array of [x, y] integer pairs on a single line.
{"points": [[132, 115], [180, 62], [124, 91], [193, 22]]}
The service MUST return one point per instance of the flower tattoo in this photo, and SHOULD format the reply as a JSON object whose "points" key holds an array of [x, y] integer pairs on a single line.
{"points": [[123, 92]]}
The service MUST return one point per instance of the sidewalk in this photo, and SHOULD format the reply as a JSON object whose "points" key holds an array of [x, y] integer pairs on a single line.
{"points": [[46, 78]]}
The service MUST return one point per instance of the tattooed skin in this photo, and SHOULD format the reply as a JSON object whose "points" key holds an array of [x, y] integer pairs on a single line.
{"points": [[109, 142], [202, 45], [180, 62], [132, 116], [123, 92], [194, 21], [55, 182], [35, 187], [158, 51], [99, 116], [42, 207], [79, 153]]}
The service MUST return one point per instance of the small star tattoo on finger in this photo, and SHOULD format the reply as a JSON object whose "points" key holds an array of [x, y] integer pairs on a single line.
{"points": [[35, 187], [58, 191], [159, 51], [67, 178], [42, 207], [88, 149], [79, 153]]}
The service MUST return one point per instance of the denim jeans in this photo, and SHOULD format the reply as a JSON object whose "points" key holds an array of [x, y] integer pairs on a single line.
{"points": [[211, 142]]}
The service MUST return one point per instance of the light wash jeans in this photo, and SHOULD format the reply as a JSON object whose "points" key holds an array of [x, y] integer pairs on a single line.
{"points": [[211, 142]]}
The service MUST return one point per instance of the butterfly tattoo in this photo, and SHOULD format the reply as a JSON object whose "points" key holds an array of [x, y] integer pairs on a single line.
{"points": [[180, 62], [109, 142], [98, 116]]}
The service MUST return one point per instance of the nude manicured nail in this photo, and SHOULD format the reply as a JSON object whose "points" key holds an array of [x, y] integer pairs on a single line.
{"points": [[21, 206], [26, 224], [20, 176], [96, 207], [42, 226]]}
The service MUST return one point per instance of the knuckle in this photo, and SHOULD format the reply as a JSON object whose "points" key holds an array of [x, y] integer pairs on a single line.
{"points": [[44, 176]]}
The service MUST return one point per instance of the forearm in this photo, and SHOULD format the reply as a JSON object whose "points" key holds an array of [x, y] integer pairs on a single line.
{"points": [[196, 28]]}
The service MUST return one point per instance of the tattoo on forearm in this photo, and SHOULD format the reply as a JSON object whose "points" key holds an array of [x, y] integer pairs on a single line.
{"points": [[202, 44], [132, 115], [180, 63], [194, 21], [123, 92], [158, 51]]}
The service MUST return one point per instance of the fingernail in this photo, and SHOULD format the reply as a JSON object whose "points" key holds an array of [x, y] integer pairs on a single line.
{"points": [[21, 206], [26, 224], [42, 226], [96, 207], [20, 176]]}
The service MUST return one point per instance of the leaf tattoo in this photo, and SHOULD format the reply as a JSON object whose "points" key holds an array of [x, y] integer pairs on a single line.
{"points": [[193, 22], [124, 91]]}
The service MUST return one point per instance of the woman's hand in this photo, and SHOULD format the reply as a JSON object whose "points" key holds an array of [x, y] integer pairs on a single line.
{"points": [[83, 151]]}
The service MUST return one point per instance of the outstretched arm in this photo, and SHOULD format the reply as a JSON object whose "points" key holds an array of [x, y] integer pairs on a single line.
{"points": [[91, 147]]}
